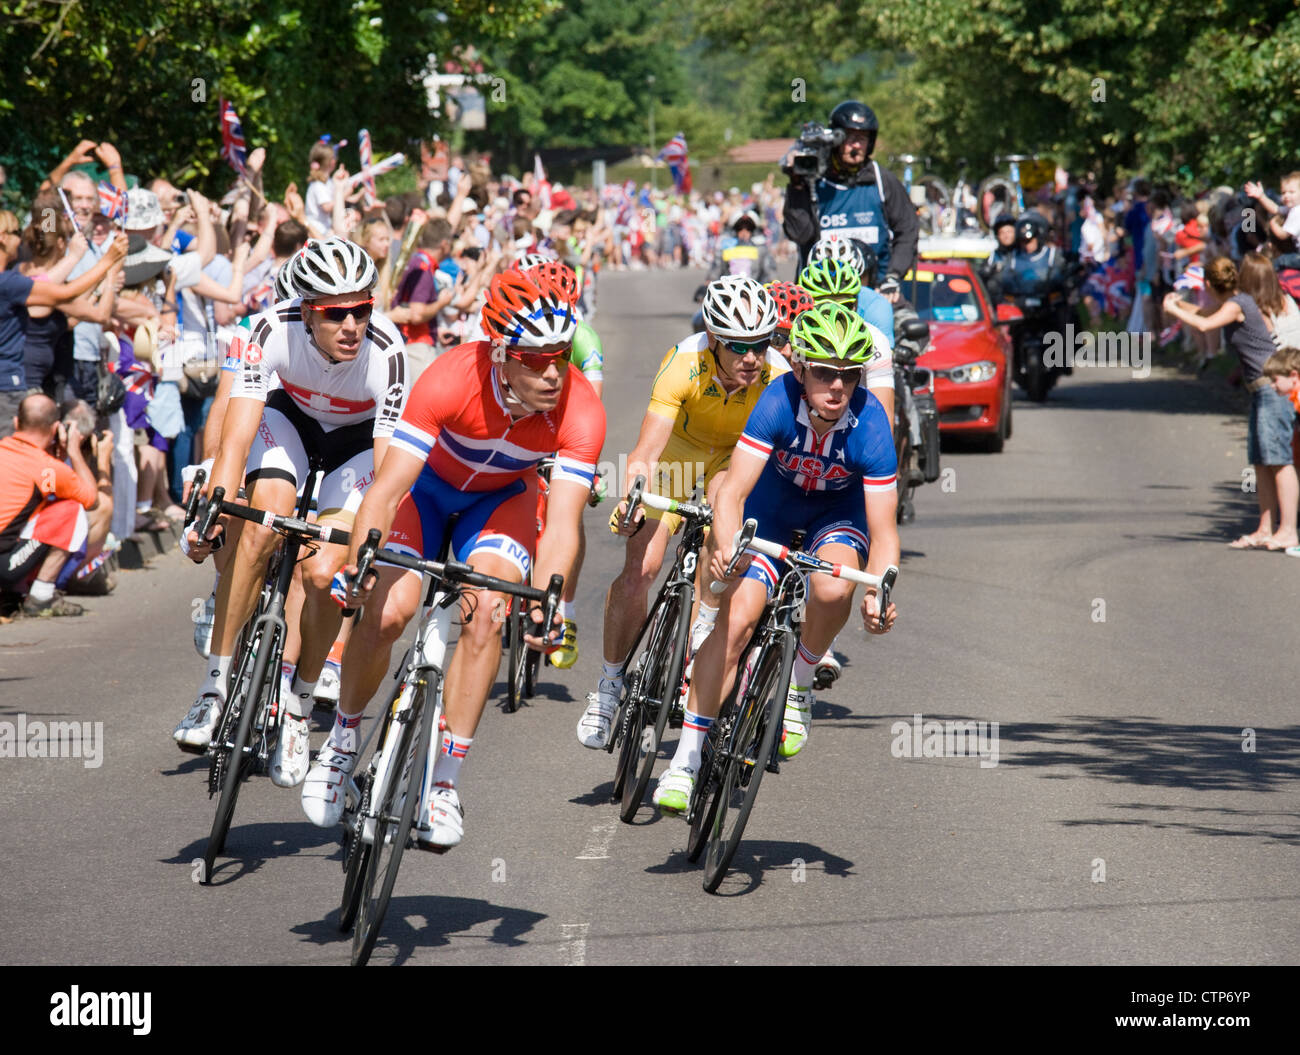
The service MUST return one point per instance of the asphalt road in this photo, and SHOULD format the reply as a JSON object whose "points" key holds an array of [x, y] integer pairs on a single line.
{"points": [[1074, 589]]}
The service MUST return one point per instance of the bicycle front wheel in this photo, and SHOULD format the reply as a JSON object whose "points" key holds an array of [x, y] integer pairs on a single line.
{"points": [[234, 761], [516, 668], [657, 691], [395, 816], [356, 858], [752, 743]]}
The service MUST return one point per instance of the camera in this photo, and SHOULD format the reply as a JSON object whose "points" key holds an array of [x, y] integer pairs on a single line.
{"points": [[811, 154]]}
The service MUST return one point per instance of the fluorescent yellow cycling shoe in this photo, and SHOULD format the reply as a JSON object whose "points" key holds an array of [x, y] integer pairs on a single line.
{"points": [[567, 654]]}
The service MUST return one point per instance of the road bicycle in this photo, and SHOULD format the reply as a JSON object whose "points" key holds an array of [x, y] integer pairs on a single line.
{"points": [[742, 744], [246, 736], [654, 668], [523, 663], [1000, 194], [379, 821]]}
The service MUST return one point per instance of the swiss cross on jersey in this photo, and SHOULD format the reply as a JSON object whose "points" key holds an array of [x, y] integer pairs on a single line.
{"points": [[325, 403]]}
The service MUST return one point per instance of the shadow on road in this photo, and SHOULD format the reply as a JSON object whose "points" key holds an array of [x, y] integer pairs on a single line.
{"points": [[1209, 820], [1160, 395], [443, 916], [756, 858], [1149, 752], [1233, 512], [249, 847]]}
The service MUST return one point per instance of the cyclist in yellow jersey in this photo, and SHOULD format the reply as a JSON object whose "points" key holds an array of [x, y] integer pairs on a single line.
{"points": [[702, 396]]}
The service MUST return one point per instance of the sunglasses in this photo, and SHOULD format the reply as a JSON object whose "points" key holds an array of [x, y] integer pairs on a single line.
{"points": [[743, 348], [339, 312], [539, 362], [826, 375], [780, 339]]}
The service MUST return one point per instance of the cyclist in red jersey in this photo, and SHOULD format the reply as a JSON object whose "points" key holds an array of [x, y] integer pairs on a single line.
{"points": [[478, 422]]}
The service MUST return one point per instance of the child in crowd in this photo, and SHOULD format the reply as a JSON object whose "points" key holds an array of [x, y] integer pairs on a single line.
{"points": [[1283, 369]]}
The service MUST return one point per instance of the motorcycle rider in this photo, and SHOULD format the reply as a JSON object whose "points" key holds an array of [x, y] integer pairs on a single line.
{"points": [[1000, 261], [855, 198], [1034, 261]]}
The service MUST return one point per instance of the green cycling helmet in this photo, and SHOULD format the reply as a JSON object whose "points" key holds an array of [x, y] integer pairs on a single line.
{"points": [[830, 332], [830, 278]]}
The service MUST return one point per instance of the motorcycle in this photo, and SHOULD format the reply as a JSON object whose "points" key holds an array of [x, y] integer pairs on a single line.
{"points": [[1044, 308]]}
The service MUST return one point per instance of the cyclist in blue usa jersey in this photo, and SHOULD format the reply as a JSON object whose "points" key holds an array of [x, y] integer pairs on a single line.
{"points": [[817, 454]]}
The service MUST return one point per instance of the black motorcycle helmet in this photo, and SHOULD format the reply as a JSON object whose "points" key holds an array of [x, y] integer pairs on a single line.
{"points": [[871, 262], [1004, 220], [1031, 225], [853, 116]]}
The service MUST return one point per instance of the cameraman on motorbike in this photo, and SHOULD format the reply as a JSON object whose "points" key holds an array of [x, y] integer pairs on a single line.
{"points": [[835, 188], [1000, 262]]}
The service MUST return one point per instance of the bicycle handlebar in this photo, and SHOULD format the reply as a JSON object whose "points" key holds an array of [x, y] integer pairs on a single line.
{"points": [[459, 572], [634, 498], [365, 558], [689, 510]]}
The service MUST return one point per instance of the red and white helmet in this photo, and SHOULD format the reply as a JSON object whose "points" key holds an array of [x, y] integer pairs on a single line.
{"points": [[528, 310]]}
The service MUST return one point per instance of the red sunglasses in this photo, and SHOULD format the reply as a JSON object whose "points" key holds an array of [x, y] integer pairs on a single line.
{"points": [[539, 362], [339, 312]]}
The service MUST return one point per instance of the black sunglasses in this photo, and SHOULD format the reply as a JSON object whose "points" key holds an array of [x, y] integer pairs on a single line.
{"points": [[339, 312], [826, 375]]}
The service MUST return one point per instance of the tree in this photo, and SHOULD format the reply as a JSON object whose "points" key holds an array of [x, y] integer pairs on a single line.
{"points": [[147, 75]]}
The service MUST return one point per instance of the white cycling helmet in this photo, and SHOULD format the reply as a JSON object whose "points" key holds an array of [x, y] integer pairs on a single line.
{"points": [[282, 287], [738, 308], [532, 260], [328, 266], [837, 247]]}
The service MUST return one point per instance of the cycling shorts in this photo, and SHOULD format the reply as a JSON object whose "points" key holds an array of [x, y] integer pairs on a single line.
{"points": [[288, 440], [502, 522], [827, 517], [681, 469]]}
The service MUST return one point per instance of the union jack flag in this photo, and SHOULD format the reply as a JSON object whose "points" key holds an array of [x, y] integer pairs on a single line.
{"points": [[112, 202], [232, 138], [675, 153], [367, 159]]}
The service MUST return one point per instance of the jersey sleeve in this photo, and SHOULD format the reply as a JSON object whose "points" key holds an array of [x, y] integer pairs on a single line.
{"points": [[581, 435], [589, 353], [389, 375], [770, 423], [880, 371], [264, 351], [874, 456], [672, 384]]}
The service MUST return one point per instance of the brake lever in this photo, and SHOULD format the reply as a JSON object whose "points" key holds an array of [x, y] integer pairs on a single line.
{"points": [[743, 538], [211, 513], [196, 494], [886, 585], [633, 500], [365, 558], [554, 592]]}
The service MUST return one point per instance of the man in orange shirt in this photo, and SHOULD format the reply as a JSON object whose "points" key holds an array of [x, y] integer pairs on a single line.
{"points": [[43, 503]]}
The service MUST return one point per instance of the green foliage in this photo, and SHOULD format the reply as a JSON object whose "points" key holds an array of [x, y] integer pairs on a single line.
{"points": [[146, 76], [1112, 84]]}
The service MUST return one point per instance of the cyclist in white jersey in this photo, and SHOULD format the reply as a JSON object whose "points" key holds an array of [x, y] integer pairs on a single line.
{"points": [[342, 383]]}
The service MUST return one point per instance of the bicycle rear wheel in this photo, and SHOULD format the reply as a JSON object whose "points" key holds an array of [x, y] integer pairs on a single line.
{"points": [[657, 691], [232, 766], [758, 721], [395, 816]]}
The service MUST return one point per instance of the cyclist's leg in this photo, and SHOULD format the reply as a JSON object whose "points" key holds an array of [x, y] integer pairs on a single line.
{"points": [[715, 673]]}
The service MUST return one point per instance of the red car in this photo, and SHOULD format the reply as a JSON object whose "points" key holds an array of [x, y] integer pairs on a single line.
{"points": [[969, 354]]}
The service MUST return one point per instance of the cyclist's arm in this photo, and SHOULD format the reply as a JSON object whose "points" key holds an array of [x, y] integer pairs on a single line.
{"points": [[243, 416], [879, 466], [217, 413], [728, 511], [655, 433], [558, 547], [398, 474]]}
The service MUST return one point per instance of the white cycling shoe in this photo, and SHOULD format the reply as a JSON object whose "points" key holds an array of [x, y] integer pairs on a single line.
{"points": [[445, 820], [327, 686], [324, 790], [198, 726], [673, 792], [292, 752], [597, 721]]}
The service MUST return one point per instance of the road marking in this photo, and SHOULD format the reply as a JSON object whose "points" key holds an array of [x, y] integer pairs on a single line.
{"points": [[597, 848], [575, 943]]}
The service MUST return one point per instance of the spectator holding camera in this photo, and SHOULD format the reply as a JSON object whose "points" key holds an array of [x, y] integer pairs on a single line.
{"points": [[43, 503], [856, 198]]}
